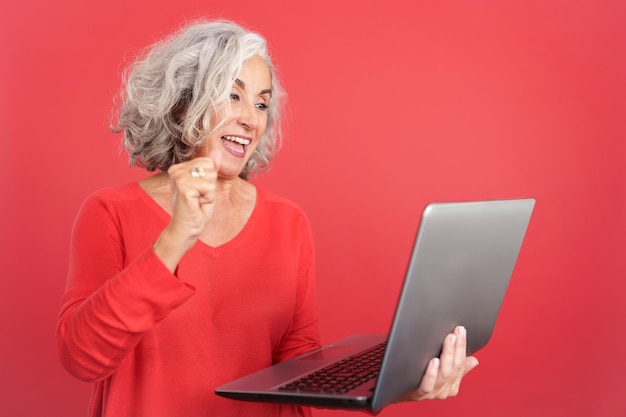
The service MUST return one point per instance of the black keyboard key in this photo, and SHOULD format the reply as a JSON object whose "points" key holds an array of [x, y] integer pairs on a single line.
{"points": [[342, 376]]}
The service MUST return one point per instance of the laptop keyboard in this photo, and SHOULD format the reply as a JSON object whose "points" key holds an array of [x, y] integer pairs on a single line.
{"points": [[343, 376]]}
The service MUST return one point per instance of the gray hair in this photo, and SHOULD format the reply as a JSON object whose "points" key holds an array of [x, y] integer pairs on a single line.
{"points": [[170, 92]]}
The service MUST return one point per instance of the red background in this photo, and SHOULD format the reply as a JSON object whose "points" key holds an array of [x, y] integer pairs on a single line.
{"points": [[392, 105]]}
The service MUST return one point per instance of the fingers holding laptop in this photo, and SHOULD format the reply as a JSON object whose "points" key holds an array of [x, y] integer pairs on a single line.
{"points": [[443, 375]]}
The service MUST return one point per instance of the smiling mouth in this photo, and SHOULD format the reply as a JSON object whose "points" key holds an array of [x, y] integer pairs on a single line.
{"points": [[235, 145]]}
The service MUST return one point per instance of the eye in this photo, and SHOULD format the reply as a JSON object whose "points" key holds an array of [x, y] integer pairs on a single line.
{"points": [[234, 96], [262, 106]]}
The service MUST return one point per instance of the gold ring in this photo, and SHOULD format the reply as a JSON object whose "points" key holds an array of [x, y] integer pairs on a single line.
{"points": [[197, 172]]}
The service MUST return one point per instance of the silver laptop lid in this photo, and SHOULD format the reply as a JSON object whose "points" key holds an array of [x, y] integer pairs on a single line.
{"points": [[462, 251]]}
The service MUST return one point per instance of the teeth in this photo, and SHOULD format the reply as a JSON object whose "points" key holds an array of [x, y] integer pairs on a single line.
{"points": [[237, 139]]}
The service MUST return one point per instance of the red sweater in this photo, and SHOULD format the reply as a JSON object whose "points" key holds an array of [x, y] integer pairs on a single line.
{"points": [[157, 344]]}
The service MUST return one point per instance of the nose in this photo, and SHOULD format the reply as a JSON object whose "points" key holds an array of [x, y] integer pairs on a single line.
{"points": [[248, 116]]}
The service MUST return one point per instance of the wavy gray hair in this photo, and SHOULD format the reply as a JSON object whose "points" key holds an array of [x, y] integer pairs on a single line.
{"points": [[171, 90]]}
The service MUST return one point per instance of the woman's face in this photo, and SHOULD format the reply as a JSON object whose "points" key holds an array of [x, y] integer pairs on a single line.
{"points": [[239, 135]]}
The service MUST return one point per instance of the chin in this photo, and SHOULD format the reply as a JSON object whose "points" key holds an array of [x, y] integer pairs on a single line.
{"points": [[230, 173]]}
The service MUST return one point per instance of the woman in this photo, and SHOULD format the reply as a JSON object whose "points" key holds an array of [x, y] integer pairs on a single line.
{"points": [[193, 277]]}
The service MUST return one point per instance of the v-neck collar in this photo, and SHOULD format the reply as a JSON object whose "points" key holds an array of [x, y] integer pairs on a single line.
{"points": [[212, 250]]}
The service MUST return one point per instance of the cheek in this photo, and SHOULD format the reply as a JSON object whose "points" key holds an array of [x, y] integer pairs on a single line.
{"points": [[263, 124], [220, 115]]}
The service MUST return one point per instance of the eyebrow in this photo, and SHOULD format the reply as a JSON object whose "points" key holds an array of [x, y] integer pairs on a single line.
{"points": [[243, 86]]}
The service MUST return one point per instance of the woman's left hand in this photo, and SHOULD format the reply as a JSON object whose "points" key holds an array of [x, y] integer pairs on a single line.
{"points": [[443, 375]]}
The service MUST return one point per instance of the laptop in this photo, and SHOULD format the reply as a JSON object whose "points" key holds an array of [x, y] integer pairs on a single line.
{"points": [[458, 274]]}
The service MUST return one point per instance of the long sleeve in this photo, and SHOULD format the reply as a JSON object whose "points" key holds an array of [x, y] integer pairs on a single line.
{"points": [[303, 335], [109, 305]]}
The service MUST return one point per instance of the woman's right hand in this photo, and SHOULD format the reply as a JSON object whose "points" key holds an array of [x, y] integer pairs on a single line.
{"points": [[193, 203]]}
